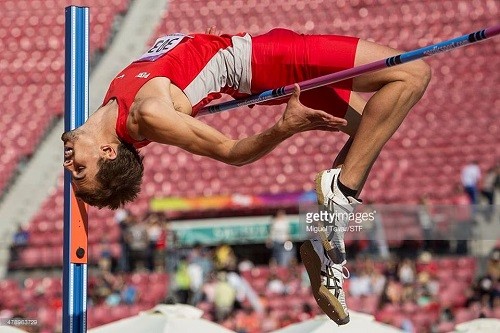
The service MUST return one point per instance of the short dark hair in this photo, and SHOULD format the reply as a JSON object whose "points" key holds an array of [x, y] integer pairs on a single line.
{"points": [[119, 180]]}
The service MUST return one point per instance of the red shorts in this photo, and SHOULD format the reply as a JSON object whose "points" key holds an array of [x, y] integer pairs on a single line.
{"points": [[282, 57]]}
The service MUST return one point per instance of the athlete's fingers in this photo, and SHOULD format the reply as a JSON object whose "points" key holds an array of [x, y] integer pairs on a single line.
{"points": [[294, 101], [326, 117], [296, 92]]}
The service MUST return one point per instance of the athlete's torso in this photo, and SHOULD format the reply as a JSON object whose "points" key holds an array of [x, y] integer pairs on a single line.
{"points": [[199, 67]]}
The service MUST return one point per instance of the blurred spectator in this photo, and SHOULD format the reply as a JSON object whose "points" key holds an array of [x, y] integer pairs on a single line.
{"points": [[154, 231], [275, 285], [488, 286], [102, 287], [488, 185], [470, 177], [407, 272], [425, 220], [224, 257], [105, 260], [137, 240], [21, 237], [378, 241], [116, 286], [391, 268], [360, 284], [377, 280], [428, 282], [161, 249], [446, 315], [488, 190], [171, 246], [283, 250], [224, 297], [182, 282], [392, 293], [203, 257], [245, 265], [129, 294], [196, 277], [209, 288], [122, 217], [19, 241]]}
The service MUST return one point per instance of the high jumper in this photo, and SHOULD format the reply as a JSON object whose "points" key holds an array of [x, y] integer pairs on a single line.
{"points": [[156, 99]]}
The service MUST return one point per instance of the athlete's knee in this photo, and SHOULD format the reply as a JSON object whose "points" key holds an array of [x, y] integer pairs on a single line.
{"points": [[419, 76]]}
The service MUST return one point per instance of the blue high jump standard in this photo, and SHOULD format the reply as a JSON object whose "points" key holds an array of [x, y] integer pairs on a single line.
{"points": [[76, 111]]}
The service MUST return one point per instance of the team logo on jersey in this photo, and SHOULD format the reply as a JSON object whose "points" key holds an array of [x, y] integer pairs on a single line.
{"points": [[143, 75], [120, 76]]}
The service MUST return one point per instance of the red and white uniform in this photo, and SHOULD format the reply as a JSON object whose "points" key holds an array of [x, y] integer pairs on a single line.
{"points": [[205, 66]]}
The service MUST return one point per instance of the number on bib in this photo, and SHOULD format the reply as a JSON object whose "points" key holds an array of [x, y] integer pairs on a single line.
{"points": [[162, 45]]}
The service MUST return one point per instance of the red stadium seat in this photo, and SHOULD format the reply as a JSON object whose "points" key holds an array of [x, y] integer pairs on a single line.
{"points": [[37, 108]]}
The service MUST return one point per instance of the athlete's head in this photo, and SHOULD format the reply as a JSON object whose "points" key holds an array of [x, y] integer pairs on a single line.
{"points": [[104, 175]]}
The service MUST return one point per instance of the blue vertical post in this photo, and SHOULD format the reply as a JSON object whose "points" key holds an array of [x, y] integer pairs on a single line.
{"points": [[76, 111]]}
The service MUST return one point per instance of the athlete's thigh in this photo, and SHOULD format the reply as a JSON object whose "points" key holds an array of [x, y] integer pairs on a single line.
{"points": [[368, 52]]}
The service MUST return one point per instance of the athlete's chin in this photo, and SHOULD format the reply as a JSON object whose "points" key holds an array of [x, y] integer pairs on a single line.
{"points": [[66, 137], [69, 136]]}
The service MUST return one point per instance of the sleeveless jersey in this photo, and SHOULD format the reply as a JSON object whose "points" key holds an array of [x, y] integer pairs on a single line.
{"points": [[202, 66]]}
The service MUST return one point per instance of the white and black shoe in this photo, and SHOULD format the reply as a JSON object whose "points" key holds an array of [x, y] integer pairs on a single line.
{"points": [[326, 280], [333, 200]]}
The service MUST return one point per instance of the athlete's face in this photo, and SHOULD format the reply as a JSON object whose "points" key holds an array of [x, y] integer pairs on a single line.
{"points": [[81, 154]]}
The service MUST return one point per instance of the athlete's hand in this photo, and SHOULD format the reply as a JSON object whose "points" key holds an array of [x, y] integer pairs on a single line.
{"points": [[299, 118]]}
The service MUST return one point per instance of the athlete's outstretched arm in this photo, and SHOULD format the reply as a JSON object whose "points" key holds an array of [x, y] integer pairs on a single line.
{"points": [[159, 122]]}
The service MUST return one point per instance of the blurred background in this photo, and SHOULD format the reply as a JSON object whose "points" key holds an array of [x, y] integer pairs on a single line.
{"points": [[225, 239]]}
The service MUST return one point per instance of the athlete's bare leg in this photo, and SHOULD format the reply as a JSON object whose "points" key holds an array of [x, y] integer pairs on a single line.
{"points": [[370, 127], [353, 117], [397, 90]]}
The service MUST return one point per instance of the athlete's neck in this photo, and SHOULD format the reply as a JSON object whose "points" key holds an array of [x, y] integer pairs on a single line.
{"points": [[102, 123]]}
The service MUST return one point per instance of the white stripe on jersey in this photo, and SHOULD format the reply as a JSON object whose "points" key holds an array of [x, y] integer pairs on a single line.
{"points": [[229, 67]]}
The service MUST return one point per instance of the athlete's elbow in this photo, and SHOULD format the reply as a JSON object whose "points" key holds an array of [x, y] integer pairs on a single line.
{"points": [[237, 159], [228, 152]]}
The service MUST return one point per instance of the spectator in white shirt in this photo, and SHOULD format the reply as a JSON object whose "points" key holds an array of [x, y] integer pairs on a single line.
{"points": [[470, 179], [279, 239]]}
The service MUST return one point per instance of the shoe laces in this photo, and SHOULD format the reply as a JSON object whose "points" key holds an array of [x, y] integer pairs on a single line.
{"points": [[345, 274]]}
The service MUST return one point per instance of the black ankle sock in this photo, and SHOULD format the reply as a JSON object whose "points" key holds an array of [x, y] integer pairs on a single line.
{"points": [[347, 191]]}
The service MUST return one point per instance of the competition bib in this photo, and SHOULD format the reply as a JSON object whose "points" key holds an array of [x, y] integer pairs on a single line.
{"points": [[162, 45]]}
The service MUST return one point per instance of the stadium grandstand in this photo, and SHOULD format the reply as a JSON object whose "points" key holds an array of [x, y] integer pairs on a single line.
{"points": [[429, 262]]}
